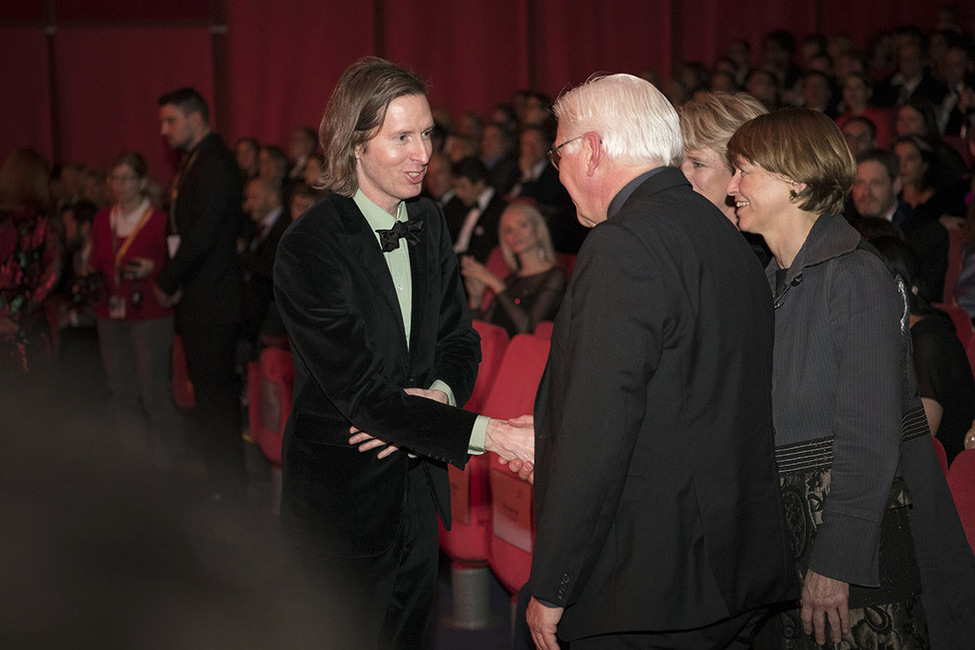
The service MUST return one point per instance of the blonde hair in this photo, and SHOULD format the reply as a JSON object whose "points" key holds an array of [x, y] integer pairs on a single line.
{"points": [[546, 251], [801, 145], [710, 119]]}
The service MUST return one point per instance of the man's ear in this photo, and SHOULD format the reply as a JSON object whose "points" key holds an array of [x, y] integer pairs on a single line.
{"points": [[898, 186], [593, 152]]}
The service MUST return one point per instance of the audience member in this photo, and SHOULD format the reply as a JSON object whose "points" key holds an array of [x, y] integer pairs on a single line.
{"points": [[857, 92], [533, 290], [926, 187], [93, 187], [80, 290], [301, 148], [30, 264], [437, 184], [911, 81], [959, 78], [259, 315], [203, 280], [944, 375], [876, 193], [646, 453], [763, 86], [473, 215], [498, 155], [817, 92], [135, 332], [247, 152], [273, 164], [706, 124], [540, 182], [303, 197], [859, 548], [860, 134], [313, 172]]}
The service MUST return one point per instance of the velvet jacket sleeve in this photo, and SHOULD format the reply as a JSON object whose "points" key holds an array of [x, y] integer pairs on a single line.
{"points": [[344, 325]]}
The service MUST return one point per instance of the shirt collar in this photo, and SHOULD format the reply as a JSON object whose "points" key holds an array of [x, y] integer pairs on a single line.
{"points": [[617, 203], [272, 217], [484, 198], [376, 217]]}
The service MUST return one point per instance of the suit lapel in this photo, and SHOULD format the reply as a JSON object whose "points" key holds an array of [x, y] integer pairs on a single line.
{"points": [[361, 242], [419, 256]]}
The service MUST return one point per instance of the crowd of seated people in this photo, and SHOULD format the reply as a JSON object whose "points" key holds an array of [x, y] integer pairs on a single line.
{"points": [[908, 97]]}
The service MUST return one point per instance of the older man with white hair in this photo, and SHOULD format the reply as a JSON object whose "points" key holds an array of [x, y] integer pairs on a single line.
{"points": [[658, 514]]}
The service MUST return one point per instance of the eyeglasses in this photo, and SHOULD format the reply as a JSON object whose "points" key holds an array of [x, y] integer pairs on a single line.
{"points": [[555, 156]]}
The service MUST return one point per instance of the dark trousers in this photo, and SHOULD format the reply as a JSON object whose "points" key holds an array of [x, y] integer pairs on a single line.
{"points": [[735, 633], [390, 595], [211, 350]]}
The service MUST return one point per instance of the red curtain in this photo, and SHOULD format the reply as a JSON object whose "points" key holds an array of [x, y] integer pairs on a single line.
{"points": [[25, 112], [285, 60], [471, 53], [109, 81], [276, 64]]}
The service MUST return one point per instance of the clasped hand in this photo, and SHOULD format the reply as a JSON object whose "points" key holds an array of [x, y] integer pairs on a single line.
{"points": [[512, 440]]}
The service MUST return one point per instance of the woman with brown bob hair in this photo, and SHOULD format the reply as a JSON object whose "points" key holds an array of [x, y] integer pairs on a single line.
{"points": [[857, 470]]}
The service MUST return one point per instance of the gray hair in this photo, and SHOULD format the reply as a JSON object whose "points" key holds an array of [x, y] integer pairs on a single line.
{"points": [[635, 122]]}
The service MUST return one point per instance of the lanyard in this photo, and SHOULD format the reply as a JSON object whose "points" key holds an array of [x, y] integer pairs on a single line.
{"points": [[120, 251]]}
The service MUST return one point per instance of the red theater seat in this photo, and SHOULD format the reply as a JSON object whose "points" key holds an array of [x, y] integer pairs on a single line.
{"points": [[513, 529]]}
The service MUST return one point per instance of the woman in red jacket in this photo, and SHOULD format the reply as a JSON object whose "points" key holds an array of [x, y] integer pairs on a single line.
{"points": [[134, 330]]}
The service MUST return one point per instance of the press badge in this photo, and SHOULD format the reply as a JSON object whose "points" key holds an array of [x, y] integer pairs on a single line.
{"points": [[116, 307]]}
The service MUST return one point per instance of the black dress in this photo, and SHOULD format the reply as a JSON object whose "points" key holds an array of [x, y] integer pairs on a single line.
{"points": [[944, 375], [527, 301]]}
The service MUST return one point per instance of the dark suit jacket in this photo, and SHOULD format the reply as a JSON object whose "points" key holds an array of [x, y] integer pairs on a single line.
{"points": [[656, 494], [337, 299], [208, 219], [485, 235], [258, 265]]}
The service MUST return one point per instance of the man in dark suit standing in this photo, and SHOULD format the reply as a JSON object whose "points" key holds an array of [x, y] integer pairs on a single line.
{"points": [[474, 214], [367, 285], [257, 250], [203, 276], [657, 504]]}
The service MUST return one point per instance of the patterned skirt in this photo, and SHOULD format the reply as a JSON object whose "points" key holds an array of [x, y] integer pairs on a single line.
{"points": [[889, 617]]}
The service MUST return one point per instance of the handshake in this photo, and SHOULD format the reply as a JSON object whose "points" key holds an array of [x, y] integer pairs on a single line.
{"points": [[512, 440]]}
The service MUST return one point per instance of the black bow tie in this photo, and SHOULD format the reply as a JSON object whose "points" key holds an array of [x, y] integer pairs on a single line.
{"points": [[389, 239]]}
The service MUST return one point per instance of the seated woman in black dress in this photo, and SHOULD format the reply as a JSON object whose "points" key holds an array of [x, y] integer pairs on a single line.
{"points": [[943, 373], [533, 291]]}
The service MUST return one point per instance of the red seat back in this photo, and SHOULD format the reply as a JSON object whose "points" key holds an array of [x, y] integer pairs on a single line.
{"points": [[513, 529], [494, 342], [468, 540], [962, 321], [277, 378], [568, 263], [961, 482], [956, 240], [182, 387], [544, 329], [939, 451]]}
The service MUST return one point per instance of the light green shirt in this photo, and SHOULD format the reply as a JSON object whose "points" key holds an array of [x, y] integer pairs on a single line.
{"points": [[398, 261]]}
